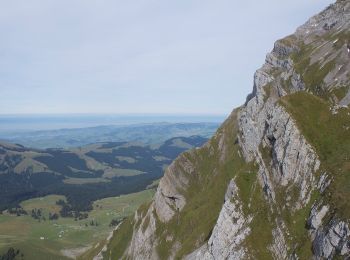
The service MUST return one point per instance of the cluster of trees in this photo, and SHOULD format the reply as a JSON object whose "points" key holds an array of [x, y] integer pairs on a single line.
{"points": [[37, 214], [92, 223], [10, 162], [81, 197], [68, 211], [34, 213], [19, 211], [15, 188], [11, 254], [63, 161]]}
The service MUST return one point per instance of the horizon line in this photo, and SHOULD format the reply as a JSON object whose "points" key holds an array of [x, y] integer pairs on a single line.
{"points": [[112, 114]]}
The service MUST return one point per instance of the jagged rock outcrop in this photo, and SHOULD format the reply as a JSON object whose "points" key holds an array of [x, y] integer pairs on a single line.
{"points": [[293, 159], [141, 245], [226, 241], [168, 199], [278, 183], [331, 239]]}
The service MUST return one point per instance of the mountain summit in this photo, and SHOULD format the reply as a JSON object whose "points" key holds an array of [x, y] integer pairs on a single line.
{"points": [[274, 181]]}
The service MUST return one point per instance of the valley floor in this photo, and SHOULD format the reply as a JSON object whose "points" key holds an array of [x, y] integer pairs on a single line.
{"points": [[65, 238]]}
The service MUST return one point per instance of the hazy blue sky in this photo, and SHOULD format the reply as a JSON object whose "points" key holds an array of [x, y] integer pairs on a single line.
{"points": [[138, 56]]}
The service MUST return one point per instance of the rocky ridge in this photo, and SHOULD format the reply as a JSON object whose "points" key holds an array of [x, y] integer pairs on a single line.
{"points": [[281, 192]]}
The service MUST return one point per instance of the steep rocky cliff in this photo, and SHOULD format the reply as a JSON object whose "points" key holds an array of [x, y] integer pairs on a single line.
{"points": [[274, 181]]}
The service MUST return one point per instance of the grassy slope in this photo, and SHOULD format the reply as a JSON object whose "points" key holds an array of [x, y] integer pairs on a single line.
{"points": [[326, 132], [193, 225], [120, 240], [24, 232], [330, 135], [314, 74]]}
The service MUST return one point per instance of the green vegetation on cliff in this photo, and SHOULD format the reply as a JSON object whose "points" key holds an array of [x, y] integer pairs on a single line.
{"points": [[215, 165], [330, 135]]}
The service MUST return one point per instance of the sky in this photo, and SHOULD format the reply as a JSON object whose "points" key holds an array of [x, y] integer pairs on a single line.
{"points": [[138, 56]]}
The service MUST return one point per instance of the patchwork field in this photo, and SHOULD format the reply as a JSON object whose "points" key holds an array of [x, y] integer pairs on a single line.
{"points": [[85, 174], [65, 238]]}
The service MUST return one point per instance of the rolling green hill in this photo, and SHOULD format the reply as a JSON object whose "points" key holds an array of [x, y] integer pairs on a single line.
{"points": [[87, 173], [64, 238]]}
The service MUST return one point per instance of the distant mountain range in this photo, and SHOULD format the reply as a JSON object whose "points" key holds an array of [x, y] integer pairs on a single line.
{"points": [[145, 133], [87, 173]]}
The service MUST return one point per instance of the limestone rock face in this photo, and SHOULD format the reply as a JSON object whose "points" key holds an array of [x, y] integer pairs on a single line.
{"points": [[332, 238], [316, 216], [231, 229], [333, 17], [141, 245], [264, 124], [279, 246], [168, 199]]}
